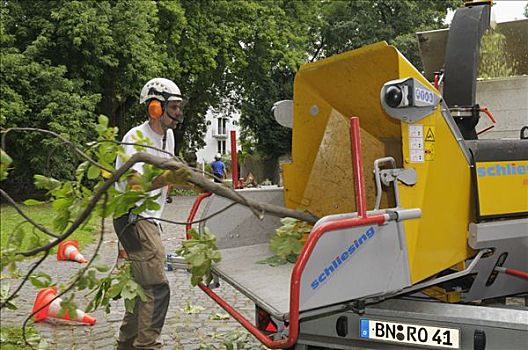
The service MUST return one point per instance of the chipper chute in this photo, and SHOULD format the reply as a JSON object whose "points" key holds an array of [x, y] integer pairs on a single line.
{"points": [[320, 177]]}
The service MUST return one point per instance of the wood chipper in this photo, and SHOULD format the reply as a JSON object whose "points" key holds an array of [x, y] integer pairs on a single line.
{"points": [[419, 220]]}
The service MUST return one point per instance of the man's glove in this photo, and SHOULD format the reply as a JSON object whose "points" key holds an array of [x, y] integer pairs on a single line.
{"points": [[134, 182], [177, 177]]}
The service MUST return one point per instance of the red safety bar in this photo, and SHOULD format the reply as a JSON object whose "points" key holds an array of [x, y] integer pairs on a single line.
{"points": [[357, 163], [295, 283], [234, 160], [491, 118], [194, 209]]}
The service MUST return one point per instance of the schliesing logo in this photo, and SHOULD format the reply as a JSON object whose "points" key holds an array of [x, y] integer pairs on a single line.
{"points": [[342, 258], [502, 170]]}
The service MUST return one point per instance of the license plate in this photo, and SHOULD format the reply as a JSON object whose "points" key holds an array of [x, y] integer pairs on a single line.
{"points": [[436, 337]]}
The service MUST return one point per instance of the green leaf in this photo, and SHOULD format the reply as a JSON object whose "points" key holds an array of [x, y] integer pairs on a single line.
{"points": [[102, 268], [193, 309], [197, 259], [274, 260], [5, 162], [287, 243], [127, 292], [200, 252], [4, 294], [30, 202], [103, 120], [130, 304], [81, 169], [40, 280], [115, 291], [219, 316], [93, 172], [47, 183]]}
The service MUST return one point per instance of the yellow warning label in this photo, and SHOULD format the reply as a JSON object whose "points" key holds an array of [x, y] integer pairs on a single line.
{"points": [[429, 151], [429, 134]]}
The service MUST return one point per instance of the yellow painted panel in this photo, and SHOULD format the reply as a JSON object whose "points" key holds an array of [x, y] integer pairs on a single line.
{"points": [[330, 187], [326, 94], [348, 84], [502, 187], [439, 239]]}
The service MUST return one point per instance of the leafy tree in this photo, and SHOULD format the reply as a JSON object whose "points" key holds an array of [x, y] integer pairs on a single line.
{"points": [[108, 46], [352, 24], [495, 60], [65, 62], [275, 46], [37, 94], [317, 30]]}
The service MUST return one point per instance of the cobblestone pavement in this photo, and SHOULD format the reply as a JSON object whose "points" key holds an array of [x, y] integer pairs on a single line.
{"points": [[181, 330]]}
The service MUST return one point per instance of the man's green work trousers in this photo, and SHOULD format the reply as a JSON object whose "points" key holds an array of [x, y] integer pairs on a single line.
{"points": [[141, 240]]}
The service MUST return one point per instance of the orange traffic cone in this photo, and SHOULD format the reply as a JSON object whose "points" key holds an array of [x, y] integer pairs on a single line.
{"points": [[52, 310], [69, 250]]}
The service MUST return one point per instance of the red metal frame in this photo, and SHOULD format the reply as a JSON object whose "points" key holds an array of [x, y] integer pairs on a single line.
{"points": [[234, 160], [357, 163], [295, 284], [194, 209]]}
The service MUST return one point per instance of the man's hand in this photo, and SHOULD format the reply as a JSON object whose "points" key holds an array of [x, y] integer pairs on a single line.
{"points": [[134, 182], [180, 179], [177, 177]]}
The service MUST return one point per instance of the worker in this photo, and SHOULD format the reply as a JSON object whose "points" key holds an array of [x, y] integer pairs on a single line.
{"points": [[141, 239], [219, 171]]}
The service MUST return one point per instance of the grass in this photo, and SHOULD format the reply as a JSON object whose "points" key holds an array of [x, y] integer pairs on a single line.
{"points": [[11, 338], [43, 214]]}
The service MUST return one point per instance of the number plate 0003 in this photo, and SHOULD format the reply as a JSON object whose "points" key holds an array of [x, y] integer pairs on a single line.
{"points": [[437, 337]]}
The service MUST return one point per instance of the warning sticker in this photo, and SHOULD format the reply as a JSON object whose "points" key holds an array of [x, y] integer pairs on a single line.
{"points": [[417, 156], [416, 143], [429, 134], [416, 131], [429, 151]]}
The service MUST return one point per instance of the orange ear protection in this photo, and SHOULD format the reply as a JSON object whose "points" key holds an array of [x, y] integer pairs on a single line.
{"points": [[155, 109]]}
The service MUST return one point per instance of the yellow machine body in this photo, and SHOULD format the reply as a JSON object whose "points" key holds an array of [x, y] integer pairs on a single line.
{"points": [[502, 187], [320, 179]]}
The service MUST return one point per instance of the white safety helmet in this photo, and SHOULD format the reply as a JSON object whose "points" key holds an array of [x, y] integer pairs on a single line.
{"points": [[161, 89], [218, 156]]}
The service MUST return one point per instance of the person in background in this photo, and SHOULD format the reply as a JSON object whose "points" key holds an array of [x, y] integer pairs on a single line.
{"points": [[218, 166]]}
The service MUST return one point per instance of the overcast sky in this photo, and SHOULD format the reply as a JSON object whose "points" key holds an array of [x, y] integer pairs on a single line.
{"points": [[502, 11]]}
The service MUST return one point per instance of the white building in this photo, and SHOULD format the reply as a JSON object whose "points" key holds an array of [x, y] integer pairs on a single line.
{"points": [[218, 136]]}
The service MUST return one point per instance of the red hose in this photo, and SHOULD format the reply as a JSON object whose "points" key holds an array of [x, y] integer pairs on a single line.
{"points": [[491, 118]]}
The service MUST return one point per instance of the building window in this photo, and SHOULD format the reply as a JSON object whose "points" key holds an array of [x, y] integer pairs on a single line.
{"points": [[221, 147], [221, 123]]}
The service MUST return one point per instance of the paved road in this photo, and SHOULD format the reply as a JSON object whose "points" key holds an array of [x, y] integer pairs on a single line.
{"points": [[181, 331]]}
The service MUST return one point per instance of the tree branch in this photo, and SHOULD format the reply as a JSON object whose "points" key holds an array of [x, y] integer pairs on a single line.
{"points": [[195, 178], [223, 191]]}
